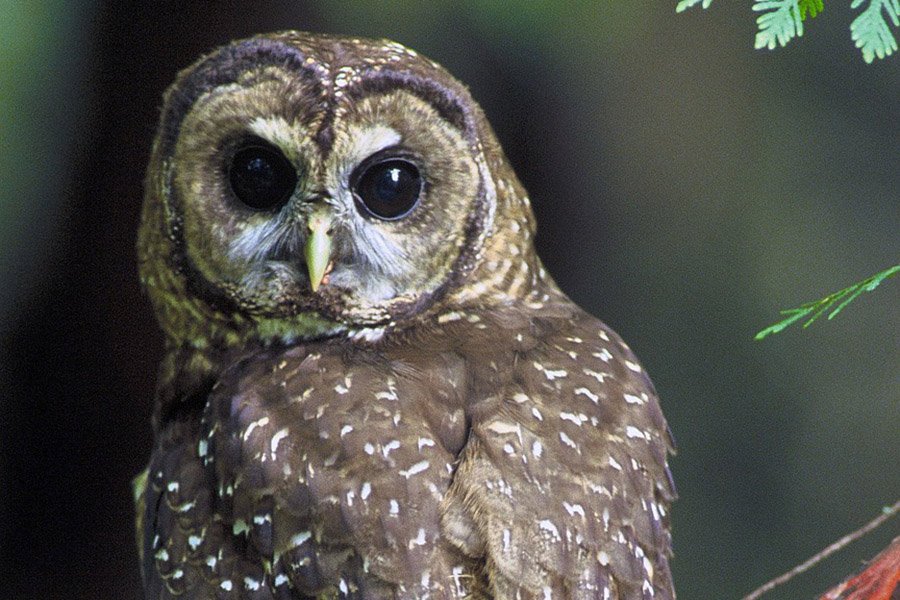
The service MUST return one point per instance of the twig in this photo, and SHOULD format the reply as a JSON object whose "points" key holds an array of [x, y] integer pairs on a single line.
{"points": [[886, 514]]}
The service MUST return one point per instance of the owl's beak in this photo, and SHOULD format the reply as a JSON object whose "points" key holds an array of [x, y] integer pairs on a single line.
{"points": [[318, 246]]}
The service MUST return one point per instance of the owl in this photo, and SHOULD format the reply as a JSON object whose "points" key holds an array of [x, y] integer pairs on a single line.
{"points": [[371, 387]]}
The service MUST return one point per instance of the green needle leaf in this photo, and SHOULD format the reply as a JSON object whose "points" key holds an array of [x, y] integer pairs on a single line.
{"points": [[813, 7], [813, 310]]}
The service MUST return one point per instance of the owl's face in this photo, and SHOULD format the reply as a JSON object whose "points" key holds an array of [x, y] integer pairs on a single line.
{"points": [[306, 183]]}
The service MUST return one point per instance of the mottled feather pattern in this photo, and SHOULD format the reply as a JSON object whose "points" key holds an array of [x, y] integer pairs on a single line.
{"points": [[437, 420], [552, 474], [334, 478]]}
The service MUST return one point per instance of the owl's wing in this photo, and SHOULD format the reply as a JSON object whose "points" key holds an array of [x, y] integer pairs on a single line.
{"points": [[563, 487], [186, 546], [314, 472]]}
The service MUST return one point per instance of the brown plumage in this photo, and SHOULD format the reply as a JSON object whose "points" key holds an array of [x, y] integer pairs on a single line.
{"points": [[436, 419]]}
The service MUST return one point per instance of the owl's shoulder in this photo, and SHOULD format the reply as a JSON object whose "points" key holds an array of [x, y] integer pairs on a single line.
{"points": [[563, 484]]}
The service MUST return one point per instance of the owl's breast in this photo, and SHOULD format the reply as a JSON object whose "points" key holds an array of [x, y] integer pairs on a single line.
{"points": [[327, 462]]}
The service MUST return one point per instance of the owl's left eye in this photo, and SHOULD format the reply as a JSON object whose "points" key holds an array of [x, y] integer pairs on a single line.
{"points": [[389, 189], [261, 177]]}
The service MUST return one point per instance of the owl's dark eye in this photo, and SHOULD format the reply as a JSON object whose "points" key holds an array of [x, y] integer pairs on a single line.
{"points": [[261, 177], [389, 189]]}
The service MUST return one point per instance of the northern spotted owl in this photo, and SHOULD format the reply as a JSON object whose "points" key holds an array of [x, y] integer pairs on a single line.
{"points": [[371, 386]]}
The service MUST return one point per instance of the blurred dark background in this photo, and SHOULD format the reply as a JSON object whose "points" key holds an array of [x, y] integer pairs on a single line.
{"points": [[686, 186]]}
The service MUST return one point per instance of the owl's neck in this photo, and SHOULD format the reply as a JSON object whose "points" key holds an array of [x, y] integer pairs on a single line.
{"points": [[190, 369]]}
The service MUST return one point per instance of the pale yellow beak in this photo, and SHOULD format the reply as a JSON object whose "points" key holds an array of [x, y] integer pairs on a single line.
{"points": [[318, 247]]}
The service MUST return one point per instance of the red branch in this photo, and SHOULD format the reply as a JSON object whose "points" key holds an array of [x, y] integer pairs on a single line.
{"points": [[880, 580]]}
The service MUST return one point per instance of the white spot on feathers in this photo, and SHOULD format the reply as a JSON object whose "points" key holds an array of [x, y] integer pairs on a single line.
{"points": [[390, 394], [548, 526], [573, 508], [390, 447], [367, 334], [240, 526], [648, 567], [551, 374], [298, 539], [419, 540], [603, 355], [416, 468], [583, 391], [567, 440], [631, 399], [503, 428], [633, 432], [258, 423], [276, 439], [576, 419], [251, 584], [596, 375]]}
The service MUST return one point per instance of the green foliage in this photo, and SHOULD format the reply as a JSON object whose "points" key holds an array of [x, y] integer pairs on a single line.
{"points": [[813, 310], [813, 7], [782, 21], [870, 31]]}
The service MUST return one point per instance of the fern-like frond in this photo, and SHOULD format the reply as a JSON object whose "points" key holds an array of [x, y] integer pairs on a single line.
{"points": [[779, 25], [782, 21], [686, 4], [813, 310], [870, 30]]}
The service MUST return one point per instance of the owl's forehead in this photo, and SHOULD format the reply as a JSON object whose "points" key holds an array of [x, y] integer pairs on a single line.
{"points": [[321, 77]]}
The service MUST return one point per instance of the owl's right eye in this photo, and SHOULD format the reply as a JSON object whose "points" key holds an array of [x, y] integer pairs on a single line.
{"points": [[261, 177]]}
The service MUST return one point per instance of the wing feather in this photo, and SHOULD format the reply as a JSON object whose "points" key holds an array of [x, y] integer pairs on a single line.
{"points": [[564, 482]]}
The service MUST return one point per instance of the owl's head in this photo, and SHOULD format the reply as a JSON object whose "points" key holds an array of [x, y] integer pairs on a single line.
{"points": [[302, 185]]}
